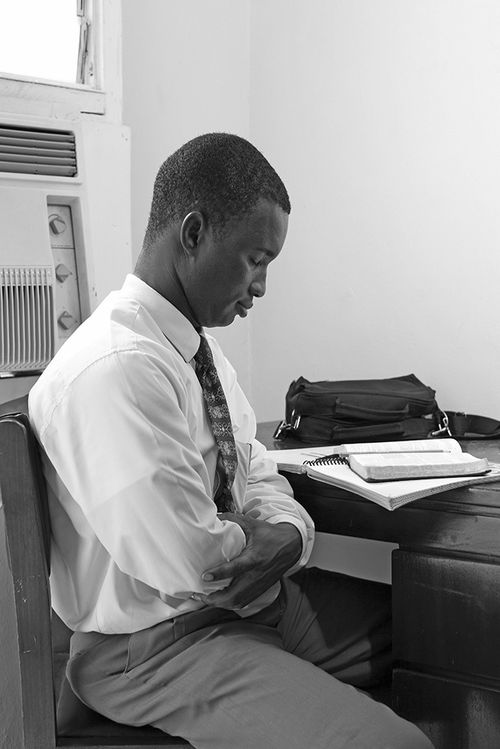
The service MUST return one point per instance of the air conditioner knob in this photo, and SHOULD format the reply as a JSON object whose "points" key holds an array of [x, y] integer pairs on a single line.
{"points": [[65, 320], [62, 272], [57, 225]]}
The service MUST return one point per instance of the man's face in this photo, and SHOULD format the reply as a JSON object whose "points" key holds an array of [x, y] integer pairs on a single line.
{"points": [[229, 271]]}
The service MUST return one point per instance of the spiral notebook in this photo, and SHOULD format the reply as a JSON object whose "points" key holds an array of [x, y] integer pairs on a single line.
{"points": [[331, 465]]}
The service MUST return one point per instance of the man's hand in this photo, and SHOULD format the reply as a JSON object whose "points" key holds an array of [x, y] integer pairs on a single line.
{"points": [[269, 552]]}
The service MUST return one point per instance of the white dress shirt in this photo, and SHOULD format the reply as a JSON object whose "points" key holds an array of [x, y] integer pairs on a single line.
{"points": [[130, 461]]}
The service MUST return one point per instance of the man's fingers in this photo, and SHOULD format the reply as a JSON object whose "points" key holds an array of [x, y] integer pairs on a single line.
{"points": [[269, 552], [235, 596], [235, 567], [218, 573]]}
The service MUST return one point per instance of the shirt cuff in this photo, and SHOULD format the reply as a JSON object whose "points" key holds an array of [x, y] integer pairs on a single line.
{"points": [[234, 540]]}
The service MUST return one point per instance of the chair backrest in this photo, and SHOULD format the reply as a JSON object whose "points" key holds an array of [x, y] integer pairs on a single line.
{"points": [[27, 684], [26, 677]]}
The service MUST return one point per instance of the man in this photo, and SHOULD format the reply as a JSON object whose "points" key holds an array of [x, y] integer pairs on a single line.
{"points": [[175, 541]]}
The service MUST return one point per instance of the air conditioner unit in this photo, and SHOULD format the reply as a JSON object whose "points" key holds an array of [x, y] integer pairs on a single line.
{"points": [[44, 266]]}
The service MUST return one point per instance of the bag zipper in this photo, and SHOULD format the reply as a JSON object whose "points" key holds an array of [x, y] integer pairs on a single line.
{"points": [[360, 392]]}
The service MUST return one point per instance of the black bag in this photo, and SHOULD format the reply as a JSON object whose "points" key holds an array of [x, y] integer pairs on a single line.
{"points": [[397, 408]]}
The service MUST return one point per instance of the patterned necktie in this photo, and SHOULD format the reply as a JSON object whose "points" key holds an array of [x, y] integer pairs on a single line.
{"points": [[220, 420]]}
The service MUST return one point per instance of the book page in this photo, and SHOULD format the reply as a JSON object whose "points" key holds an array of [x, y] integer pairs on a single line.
{"points": [[391, 466], [446, 445]]}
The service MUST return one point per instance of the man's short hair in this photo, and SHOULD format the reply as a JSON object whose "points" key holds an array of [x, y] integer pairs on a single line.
{"points": [[219, 174]]}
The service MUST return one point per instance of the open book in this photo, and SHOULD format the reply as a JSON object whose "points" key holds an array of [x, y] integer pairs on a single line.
{"points": [[387, 461], [331, 465], [294, 460]]}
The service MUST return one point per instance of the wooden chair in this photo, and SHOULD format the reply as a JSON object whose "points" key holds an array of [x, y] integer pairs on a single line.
{"points": [[33, 641]]}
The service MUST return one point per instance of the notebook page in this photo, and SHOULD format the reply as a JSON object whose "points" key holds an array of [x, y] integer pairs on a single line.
{"points": [[293, 460]]}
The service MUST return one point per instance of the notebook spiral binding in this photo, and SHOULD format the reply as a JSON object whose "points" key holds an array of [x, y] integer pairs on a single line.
{"points": [[328, 460]]}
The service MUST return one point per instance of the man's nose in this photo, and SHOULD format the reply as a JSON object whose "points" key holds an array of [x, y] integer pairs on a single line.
{"points": [[258, 286]]}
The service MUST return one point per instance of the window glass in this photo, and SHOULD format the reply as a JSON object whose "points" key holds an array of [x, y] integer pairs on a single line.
{"points": [[40, 39]]}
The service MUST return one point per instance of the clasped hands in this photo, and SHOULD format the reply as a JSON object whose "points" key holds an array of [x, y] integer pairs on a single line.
{"points": [[271, 550]]}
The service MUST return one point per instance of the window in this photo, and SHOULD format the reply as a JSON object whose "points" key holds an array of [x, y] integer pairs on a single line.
{"points": [[48, 40], [60, 57]]}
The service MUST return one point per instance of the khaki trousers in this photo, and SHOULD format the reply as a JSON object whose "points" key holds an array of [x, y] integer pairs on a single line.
{"points": [[287, 678]]}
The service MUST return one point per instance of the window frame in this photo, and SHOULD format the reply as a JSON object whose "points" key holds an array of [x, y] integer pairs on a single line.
{"points": [[29, 95]]}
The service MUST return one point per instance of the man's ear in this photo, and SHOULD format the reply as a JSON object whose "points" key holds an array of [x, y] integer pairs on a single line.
{"points": [[192, 228]]}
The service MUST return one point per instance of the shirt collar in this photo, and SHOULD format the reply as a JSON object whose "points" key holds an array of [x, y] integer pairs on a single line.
{"points": [[177, 328]]}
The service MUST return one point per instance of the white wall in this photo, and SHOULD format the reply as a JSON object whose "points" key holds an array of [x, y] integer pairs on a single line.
{"points": [[383, 118], [185, 72]]}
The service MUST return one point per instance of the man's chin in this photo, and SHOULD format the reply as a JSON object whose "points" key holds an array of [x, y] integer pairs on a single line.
{"points": [[222, 321]]}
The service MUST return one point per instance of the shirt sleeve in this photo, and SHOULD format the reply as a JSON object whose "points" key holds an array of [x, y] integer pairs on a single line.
{"points": [[119, 441], [269, 495]]}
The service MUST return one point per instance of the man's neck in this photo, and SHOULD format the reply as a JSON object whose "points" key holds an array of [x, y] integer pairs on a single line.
{"points": [[157, 269], [169, 287]]}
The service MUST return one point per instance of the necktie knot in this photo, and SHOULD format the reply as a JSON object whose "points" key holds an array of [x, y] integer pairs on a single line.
{"points": [[203, 357]]}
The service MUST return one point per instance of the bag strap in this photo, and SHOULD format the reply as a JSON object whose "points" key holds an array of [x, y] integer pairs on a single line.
{"points": [[456, 424], [471, 426]]}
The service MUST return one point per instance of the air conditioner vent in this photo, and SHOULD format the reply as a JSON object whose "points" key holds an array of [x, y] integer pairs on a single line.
{"points": [[26, 318], [26, 150]]}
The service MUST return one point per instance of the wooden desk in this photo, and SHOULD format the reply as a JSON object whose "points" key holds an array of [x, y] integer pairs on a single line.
{"points": [[446, 598]]}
